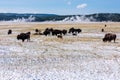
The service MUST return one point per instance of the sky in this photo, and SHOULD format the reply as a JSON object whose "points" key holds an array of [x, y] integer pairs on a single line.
{"points": [[60, 7]]}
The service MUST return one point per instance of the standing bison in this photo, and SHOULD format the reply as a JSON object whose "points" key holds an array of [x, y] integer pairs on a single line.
{"points": [[24, 36], [47, 31], [64, 32], [105, 25], [56, 32], [9, 31], [38, 32], [109, 37], [73, 30], [102, 30]]}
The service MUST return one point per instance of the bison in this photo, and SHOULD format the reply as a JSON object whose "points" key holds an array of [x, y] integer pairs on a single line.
{"points": [[47, 31], [109, 37], [9, 31], [73, 30], [59, 36], [102, 30], [105, 25], [56, 32], [24, 36], [37, 32], [64, 32]]}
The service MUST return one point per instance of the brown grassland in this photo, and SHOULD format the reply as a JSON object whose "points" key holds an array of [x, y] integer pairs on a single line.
{"points": [[47, 53]]}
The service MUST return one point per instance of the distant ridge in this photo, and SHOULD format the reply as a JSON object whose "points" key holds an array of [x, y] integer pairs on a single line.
{"points": [[97, 17]]}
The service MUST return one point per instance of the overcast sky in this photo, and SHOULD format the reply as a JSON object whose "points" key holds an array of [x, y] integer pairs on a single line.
{"points": [[62, 7]]}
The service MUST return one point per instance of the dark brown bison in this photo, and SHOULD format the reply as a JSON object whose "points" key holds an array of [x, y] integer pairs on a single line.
{"points": [[64, 32], [60, 36], [109, 37], [73, 30], [9, 31], [102, 30], [56, 32], [24, 36], [47, 31], [105, 25], [37, 32]]}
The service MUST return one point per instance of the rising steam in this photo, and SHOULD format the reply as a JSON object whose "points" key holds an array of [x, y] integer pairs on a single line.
{"points": [[29, 19], [78, 19]]}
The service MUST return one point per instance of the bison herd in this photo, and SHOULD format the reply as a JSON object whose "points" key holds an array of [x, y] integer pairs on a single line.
{"points": [[60, 33], [54, 32]]}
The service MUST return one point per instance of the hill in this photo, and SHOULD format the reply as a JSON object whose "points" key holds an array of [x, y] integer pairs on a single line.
{"points": [[97, 17]]}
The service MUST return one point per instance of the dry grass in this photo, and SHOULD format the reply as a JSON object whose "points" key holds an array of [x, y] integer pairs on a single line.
{"points": [[88, 30], [81, 53]]}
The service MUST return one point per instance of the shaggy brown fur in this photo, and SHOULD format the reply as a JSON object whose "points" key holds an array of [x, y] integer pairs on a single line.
{"points": [[109, 37]]}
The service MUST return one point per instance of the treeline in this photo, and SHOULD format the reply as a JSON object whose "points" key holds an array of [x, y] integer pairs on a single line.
{"points": [[115, 17]]}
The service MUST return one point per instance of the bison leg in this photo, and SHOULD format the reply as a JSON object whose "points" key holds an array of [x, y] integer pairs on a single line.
{"points": [[109, 40], [114, 40], [23, 40]]}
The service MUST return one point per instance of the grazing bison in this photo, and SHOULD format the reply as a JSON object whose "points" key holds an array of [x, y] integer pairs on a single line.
{"points": [[47, 31], [59, 36], [78, 30], [36, 30], [102, 30], [105, 25], [109, 37], [24, 36], [56, 32], [73, 30], [64, 32], [9, 31]]}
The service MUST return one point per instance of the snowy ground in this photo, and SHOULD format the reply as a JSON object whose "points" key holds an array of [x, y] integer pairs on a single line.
{"points": [[81, 57]]}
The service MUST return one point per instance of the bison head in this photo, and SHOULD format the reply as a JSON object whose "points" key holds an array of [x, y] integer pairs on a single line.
{"points": [[18, 37], [104, 40]]}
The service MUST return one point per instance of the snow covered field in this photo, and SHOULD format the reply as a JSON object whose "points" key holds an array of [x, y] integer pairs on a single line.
{"points": [[81, 57]]}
